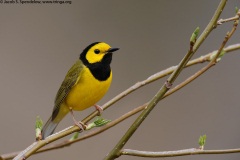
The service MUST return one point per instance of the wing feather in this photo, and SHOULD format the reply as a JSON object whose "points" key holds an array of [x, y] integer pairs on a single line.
{"points": [[70, 80]]}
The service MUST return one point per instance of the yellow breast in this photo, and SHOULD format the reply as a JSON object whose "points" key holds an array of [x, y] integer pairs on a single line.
{"points": [[87, 92]]}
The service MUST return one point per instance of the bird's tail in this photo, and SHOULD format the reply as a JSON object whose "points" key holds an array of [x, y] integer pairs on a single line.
{"points": [[49, 128]]}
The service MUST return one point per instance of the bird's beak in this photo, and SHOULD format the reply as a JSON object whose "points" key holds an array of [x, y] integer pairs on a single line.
{"points": [[112, 50]]}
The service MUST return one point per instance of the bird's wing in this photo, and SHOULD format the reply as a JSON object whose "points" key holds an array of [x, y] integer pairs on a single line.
{"points": [[70, 80]]}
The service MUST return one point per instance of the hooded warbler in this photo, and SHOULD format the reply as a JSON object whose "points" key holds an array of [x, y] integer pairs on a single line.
{"points": [[85, 84]]}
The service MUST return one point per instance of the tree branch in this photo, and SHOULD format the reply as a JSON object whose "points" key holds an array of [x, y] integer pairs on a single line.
{"points": [[116, 150], [192, 151], [221, 21], [193, 48]]}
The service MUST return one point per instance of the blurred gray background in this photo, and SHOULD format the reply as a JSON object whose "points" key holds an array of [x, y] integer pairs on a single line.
{"points": [[39, 43]]}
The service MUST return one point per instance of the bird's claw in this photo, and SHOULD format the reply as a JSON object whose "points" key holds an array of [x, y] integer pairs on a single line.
{"points": [[99, 109]]}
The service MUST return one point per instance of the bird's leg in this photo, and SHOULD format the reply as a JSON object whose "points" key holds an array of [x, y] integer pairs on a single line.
{"points": [[99, 109], [81, 125]]}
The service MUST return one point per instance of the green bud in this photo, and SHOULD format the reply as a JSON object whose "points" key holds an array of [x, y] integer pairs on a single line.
{"points": [[75, 136], [38, 128], [202, 141], [219, 57], [194, 35], [236, 9], [39, 123], [99, 121]]}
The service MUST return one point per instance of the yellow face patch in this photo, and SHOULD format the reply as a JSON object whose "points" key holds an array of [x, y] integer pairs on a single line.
{"points": [[96, 53]]}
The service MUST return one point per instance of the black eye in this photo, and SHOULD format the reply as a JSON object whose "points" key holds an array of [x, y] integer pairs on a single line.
{"points": [[96, 51]]}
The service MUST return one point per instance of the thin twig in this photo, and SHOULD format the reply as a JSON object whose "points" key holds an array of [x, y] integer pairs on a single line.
{"points": [[191, 151], [221, 21]]}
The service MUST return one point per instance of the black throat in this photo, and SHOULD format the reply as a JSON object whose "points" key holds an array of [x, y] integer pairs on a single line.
{"points": [[100, 70]]}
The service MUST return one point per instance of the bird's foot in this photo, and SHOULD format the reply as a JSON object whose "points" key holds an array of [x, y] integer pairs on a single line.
{"points": [[80, 124], [99, 109]]}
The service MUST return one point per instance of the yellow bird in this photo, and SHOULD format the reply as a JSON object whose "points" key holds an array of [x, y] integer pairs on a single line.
{"points": [[85, 84]]}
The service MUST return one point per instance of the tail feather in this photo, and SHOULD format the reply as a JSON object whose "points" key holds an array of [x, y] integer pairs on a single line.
{"points": [[49, 128]]}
